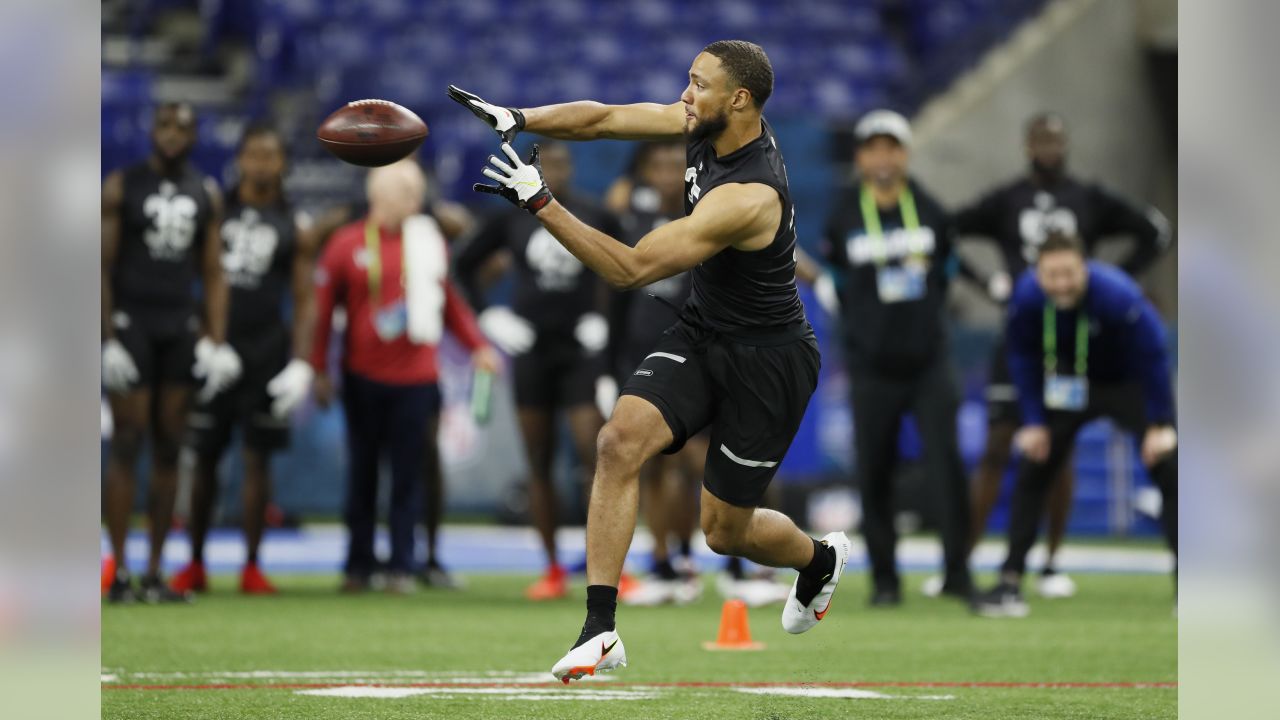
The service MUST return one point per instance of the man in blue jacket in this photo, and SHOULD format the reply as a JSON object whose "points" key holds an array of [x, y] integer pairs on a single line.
{"points": [[1083, 343]]}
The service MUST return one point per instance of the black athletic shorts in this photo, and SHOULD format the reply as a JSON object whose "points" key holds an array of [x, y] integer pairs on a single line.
{"points": [[161, 342], [557, 374], [1001, 393], [752, 392], [246, 403]]}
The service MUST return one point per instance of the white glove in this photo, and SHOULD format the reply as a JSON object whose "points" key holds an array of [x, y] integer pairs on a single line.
{"points": [[592, 332], [290, 387], [824, 288], [999, 286], [118, 369], [510, 332], [505, 121], [219, 365], [606, 395]]}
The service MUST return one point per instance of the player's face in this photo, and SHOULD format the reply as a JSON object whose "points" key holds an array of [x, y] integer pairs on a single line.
{"points": [[1062, 275], [1047, 147], [706, 98], [397, 192], [881, 160], [261, 160], [664, 171], [557, 167], [174, 132]]}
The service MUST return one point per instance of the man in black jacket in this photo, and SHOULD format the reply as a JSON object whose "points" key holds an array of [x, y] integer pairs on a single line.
{"points": [[888, 244]]}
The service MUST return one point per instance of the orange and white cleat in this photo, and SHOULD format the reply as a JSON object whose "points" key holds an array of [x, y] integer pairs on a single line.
{"points": [[552, 586], [797, 618], [191, 579], [600, 654], [253, 582]]}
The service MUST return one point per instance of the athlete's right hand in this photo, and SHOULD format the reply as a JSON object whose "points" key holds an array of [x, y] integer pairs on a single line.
{"points": [[505, 121], [118, 368], [218, 365], [510, 332], [824, 289], [1033, 442]]}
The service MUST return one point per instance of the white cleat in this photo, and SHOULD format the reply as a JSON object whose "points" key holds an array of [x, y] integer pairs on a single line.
{"points": [[797, 618], [600, 654], [652, 592], [1055, 586], [932, 586]]}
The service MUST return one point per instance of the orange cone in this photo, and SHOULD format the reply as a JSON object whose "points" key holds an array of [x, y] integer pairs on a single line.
{"points": [[734, 632], [108, 572]]}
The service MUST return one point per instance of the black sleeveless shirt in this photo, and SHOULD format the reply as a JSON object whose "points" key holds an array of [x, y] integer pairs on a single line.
{"points": [[258, 246], [735, 291], [162, 232]]}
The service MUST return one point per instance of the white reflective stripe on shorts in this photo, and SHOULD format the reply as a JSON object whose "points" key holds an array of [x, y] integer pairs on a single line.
{"points": [[668, 356], [749, 463]]}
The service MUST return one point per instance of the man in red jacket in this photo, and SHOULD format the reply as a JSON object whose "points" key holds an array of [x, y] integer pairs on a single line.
{"points": [[390, 374]]}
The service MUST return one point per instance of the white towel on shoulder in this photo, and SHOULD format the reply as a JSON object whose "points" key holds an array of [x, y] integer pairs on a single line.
{"points": [[426, 266]]}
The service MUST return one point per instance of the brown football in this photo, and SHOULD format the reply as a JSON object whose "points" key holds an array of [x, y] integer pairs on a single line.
{"points": [[372, 132]]}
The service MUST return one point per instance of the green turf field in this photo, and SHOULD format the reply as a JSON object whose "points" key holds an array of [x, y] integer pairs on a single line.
{"points": [[480, 653]]}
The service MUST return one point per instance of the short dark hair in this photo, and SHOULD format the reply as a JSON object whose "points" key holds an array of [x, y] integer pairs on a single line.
{"points": [[1049, 120], [1061, 242], [746, 65]]}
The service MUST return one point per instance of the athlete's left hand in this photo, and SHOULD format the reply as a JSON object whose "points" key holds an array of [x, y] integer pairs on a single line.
{"points": [[1158, 442], [218, 365], [592, 332], [520, 182], [290, 387], [487, 360]]}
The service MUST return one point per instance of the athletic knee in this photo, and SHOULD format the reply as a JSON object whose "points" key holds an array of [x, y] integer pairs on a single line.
{"points": [[166, 445], [618, 447], [721, 537], [126, 443]]}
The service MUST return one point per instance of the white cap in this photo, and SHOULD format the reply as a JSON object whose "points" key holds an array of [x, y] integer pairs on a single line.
{"points": [[883, 122]]}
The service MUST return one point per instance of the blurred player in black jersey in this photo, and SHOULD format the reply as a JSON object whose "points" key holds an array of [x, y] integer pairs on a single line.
{"points": [[160, 221], [266, 259], [557, 334], [1017, 218], [740, 359], [655, 196]]}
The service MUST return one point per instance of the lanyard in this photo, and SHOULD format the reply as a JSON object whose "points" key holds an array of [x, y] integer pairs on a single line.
{"points": [[1051, 341], [871, 215], [373, 262]]}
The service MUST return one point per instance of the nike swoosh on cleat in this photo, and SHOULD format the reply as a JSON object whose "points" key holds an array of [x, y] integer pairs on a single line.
{"points": [[605, 650], [820, 615]]}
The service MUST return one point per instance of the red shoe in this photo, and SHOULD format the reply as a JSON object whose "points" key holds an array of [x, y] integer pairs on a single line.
{"points": [[190, 580], [253, 582], [627, 585], [108, 572], [553, 586]]}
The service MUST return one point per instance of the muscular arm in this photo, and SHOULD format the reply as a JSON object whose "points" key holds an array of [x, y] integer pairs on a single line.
{"points": [[807, 269], [590, 120], [745, 216], [304, 308], [112, 199], [215, 286]]}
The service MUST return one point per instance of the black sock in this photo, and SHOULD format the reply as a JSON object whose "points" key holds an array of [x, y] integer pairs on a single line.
{"points": [[663, 570], [686, 548], [816, 574], [734, 567], [602, 603]]}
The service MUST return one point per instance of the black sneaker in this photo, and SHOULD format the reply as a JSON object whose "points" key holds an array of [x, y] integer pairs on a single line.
{"points": [[122, 591], [155, 591], [1002, 601], [886, 597], [436, 576]]}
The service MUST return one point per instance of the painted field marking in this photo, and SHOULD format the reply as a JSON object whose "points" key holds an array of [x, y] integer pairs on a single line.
{"points": [[826, 692], [686, 684], [496, 693]]}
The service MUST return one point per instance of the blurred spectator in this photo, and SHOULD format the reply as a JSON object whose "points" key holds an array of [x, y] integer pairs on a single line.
{"points": [[890, 248], [389, 273], [1017, 218], [557, 333], [1083, 344], [160, 221], [267, 258]]}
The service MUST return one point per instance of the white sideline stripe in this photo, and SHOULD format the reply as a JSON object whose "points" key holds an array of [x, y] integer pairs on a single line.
{"points": [[364, 691], [852, 693], [748, 463], [668, 356]]}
